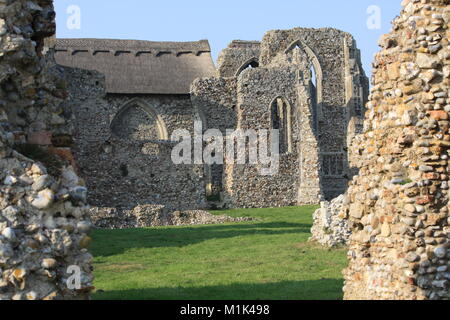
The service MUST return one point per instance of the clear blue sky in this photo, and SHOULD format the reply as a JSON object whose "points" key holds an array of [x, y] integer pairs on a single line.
{"points": [[223, 21]]}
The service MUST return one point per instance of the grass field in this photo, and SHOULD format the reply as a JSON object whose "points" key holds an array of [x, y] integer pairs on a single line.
{"points": [[265, 259]]}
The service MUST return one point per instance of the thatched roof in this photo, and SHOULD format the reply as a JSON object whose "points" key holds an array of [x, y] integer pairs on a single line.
{"points": [[139, 67]]}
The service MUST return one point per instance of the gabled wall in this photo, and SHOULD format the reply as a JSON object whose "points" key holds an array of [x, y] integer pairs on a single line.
{"points": [[326, 90]]}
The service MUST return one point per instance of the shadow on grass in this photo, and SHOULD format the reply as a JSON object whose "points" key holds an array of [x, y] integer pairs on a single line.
{"points": [[323, 289], [112, 242]]}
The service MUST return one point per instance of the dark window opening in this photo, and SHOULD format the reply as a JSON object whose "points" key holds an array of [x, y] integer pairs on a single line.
{"points": [[250, 65], [281, 118], [313, 88]]}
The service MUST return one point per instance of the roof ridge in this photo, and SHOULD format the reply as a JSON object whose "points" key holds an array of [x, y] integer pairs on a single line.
{"points": [[123, 44]]}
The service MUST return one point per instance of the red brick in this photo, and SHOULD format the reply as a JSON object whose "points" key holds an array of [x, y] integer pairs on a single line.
{"points": [[439, 115]]}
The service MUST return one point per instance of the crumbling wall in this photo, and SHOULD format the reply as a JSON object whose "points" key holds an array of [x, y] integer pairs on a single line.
{"points": [[398, 204], [147, 216], [123, 148], [330, 228], [325, 90], [246, 187], [238, 56], [341, 90], [43, 222], [215, 103]]}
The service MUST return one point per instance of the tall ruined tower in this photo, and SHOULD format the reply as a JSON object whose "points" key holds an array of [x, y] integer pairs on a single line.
{"points": [[398, 205]]}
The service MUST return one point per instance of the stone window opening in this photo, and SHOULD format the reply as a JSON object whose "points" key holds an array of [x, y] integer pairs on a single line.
{"points": [[333, 164], [313, 88], [250, 64], [313, 64], [281, 119]]}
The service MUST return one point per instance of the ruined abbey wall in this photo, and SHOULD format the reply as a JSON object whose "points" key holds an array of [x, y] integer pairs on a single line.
{"points": [[317, 74], [247, 187], [43, 218], [123, 146], [216, 107], [237, 56], [398, 204]]}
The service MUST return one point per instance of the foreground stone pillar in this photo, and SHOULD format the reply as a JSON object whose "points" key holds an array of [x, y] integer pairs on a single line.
{"points": [[398, 205], [43, 221]]}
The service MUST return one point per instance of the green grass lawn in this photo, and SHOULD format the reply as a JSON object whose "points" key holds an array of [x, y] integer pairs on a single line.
{"points": [[265, 259]]}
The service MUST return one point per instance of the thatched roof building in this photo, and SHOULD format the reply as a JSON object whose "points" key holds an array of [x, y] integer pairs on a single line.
{"points": [[139, 67]]}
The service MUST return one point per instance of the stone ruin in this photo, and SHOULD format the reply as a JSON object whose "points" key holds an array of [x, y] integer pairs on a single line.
{"points": [[155, 216], [330, 228], [128, 97], [307, 83], [43, 218], [398, 204]]}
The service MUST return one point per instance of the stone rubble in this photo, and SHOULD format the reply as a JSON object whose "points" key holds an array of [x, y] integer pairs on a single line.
{"points": [[329, 228], [398, 206], [155, 216]]}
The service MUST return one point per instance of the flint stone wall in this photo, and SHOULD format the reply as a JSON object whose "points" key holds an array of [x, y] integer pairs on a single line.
{"points": [[247, 187], [43, 214], [325, 110], [216, 106], [237, 56], [398, 204], [123, 148]]}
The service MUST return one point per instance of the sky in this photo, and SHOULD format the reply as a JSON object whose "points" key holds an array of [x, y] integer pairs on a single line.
{"points": [[223, 21]]}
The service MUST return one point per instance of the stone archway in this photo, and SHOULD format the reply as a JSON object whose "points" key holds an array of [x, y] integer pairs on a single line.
{"points": [[250, 63], [137, 120], [317, 72], [281, 119]]}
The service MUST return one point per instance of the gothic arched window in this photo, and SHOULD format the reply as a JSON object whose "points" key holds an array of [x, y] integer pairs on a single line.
{"points": [[305, 56], [281, 118], [137, 121], [250, 64]]}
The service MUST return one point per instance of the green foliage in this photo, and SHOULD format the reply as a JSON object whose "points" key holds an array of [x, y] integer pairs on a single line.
{"points": [[265, 259]]}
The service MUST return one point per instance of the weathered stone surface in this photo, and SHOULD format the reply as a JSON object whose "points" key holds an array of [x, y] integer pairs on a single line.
{"points": [[315, 77], [330, 228], [401, 238], [123, 156], [39, 232], [155, 216]]}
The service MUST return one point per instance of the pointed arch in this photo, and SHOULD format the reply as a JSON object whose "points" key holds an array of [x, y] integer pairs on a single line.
{"points": [[315, 62], [318, 73], [250, 63], [281, 119], [117, 122]]}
